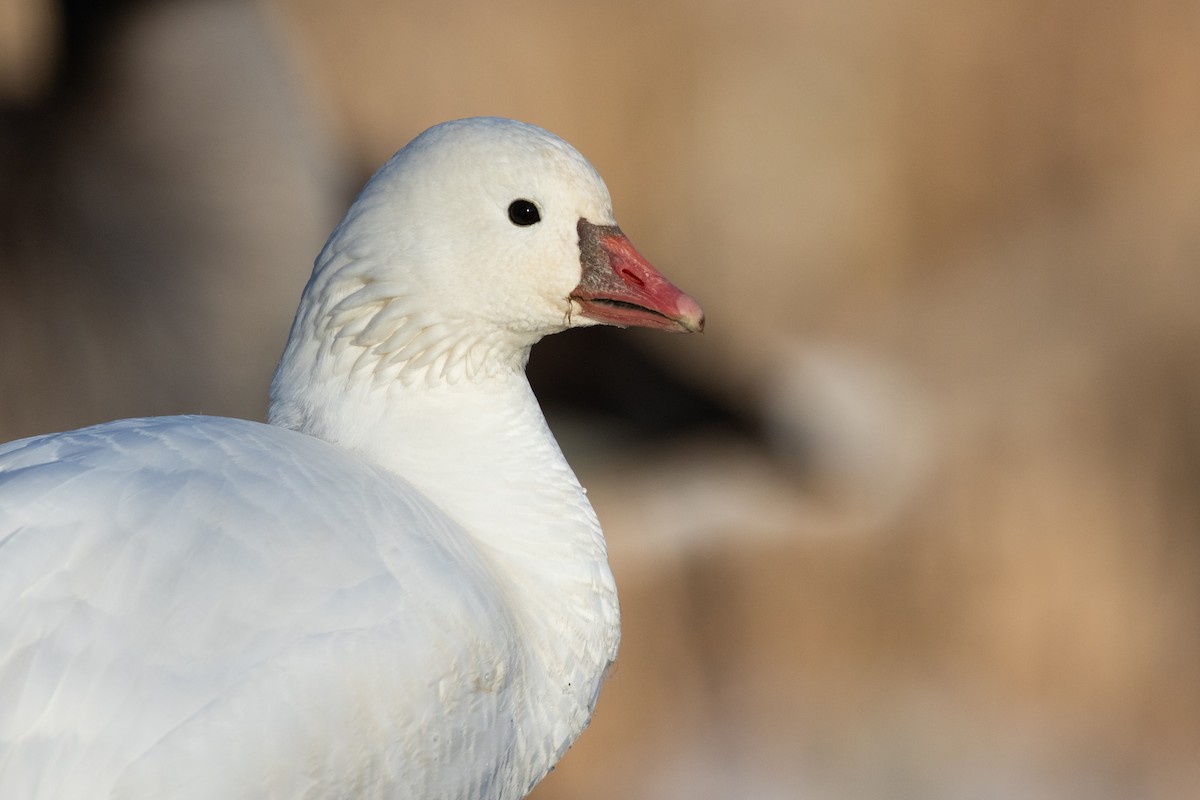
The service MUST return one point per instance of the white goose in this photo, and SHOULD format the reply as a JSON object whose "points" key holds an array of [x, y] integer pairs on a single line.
{"points": [[398, 588]]}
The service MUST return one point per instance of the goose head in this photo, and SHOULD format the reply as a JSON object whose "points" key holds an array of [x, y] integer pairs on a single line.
{"points": [[475, 240]]}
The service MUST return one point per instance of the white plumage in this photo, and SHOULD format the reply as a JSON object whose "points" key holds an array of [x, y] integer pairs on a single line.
{"points": [[398, 589]]}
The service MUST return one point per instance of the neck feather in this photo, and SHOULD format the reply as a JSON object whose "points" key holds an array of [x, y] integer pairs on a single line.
{"points": [[352, 325], [447, 407]]}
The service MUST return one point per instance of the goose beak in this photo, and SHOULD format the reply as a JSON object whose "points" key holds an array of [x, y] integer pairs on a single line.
{"points": [[619, 287]]}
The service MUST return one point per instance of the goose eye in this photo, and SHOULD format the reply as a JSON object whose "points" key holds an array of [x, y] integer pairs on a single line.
{"points": [[523, 212]]}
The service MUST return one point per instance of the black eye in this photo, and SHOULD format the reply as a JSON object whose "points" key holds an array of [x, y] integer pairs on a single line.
{"points": [[523, 212]]}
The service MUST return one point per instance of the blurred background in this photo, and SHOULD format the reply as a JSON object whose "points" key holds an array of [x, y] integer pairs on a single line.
{"points": [[918, 516]]}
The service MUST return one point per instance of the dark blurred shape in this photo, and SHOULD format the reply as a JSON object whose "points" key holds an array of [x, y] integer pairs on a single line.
{"points": [[604, 375], [86, 28], [163, 206]]}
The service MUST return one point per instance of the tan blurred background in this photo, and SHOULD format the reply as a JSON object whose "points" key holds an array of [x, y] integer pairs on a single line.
{"points": [[917, 517]]}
